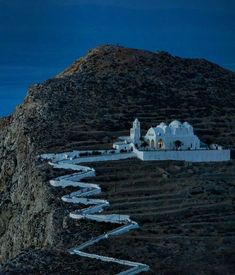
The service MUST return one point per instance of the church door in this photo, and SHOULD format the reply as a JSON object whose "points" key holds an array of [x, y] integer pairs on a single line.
{"points": [[160, 144]]}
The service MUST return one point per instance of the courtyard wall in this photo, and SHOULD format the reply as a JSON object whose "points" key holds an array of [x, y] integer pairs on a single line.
{"points": [[191, 156]]}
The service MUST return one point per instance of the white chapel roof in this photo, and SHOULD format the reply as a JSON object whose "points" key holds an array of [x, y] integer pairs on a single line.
{"points": [[162, 125], [174, 128], [175, 124]]}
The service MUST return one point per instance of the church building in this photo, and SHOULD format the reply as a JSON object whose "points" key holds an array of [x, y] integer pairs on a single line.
{"points": [[175, 136], [175, 141]]}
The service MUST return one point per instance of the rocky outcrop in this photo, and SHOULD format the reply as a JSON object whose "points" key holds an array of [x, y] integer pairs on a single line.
{"points": [[27, 216], [88, 105]]}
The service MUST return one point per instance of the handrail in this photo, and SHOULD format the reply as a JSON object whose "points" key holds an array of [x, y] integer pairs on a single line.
{"points": [[96, 206]]}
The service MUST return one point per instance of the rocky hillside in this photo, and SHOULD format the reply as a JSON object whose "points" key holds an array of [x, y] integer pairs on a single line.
{"points": [[87, 106]]}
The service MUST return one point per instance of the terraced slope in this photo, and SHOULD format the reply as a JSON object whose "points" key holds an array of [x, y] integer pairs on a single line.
{"points": [[93, 208], [186, 214], [88, 106]]}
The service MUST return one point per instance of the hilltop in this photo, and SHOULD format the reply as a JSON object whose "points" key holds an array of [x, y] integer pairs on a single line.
{"points": [[88, 105], [111, 85]]}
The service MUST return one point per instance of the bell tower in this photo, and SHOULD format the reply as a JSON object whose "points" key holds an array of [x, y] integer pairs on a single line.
{"points": [[135, 132]]}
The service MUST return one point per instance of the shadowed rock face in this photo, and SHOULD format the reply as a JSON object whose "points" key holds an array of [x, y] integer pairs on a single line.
{"points": [[88, 105]]}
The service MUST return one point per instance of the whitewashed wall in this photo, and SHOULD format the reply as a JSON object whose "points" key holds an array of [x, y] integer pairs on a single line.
{"points": [[107, 157], [75, 154], [192, 156]]}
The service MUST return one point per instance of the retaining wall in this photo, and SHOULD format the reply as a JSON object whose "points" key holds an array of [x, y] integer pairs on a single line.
{"points": [[192, 156], [110, 157], [105, 155]]}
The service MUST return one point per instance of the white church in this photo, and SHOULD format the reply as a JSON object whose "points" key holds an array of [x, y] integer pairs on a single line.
{"points": [[175, 136], [175, 141]]}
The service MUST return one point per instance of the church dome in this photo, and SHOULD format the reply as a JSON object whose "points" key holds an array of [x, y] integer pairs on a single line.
{"points": [[162, 124], [159, 130], [188, 127], [186, 124], [175, 124]]}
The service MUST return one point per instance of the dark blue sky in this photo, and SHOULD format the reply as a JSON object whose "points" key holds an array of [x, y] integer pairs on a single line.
{"points": [[40, 38]]}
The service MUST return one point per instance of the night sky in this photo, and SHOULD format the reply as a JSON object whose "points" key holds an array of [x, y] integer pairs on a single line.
{"points": [[38, 39]]}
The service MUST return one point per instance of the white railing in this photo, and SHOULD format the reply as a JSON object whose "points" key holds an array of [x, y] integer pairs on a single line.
{"points": [[71, 161]]}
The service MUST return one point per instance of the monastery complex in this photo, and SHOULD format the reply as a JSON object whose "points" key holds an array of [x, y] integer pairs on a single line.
{"points": [[175, 141]]}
